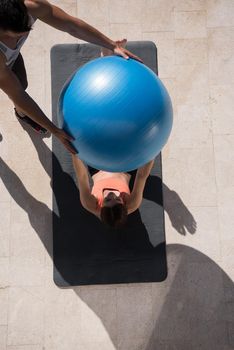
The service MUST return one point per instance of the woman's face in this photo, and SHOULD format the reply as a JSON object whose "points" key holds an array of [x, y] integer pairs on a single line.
{"points": [[111, 199]]}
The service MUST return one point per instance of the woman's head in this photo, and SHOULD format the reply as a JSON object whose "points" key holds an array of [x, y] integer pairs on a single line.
{"points": [[113, 211], [14, 16]]}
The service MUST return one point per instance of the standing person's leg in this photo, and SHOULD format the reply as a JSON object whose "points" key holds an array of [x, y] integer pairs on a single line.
{"points": [[19, 70]]}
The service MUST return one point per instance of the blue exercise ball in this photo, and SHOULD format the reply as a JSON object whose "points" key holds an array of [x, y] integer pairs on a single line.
{"points": [[118, 111]]}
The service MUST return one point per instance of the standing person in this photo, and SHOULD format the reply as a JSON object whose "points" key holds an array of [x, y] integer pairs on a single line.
{"points": [[16, 20]]}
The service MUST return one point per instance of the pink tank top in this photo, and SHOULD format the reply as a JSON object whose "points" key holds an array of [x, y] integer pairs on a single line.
{"points": [[113, 183]]}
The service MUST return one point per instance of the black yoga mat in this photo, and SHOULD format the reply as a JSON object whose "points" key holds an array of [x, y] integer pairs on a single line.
{"points": [[84, 251]]}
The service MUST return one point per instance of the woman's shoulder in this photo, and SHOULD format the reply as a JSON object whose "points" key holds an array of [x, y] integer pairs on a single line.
{"points": [[91, 205]]}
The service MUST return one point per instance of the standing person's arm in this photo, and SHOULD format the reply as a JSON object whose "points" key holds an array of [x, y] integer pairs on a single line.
{"points": [[10, 84], [136, 195], [59, 19]]}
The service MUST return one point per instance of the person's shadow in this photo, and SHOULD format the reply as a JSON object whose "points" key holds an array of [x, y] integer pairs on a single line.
{"points": [[107, 245]]}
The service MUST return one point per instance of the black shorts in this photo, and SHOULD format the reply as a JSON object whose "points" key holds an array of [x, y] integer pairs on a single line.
{"points": [[19, 69]]}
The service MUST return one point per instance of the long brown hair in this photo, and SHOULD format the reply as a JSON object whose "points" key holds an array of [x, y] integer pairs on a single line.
{"points": [[114, 217]]}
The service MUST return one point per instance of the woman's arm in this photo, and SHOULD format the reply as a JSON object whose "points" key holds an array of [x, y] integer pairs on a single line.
{"points": [[88, 201], [136, 195]]}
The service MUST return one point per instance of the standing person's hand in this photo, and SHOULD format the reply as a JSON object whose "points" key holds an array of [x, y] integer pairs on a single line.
{"points": [[65, 139], [120, 51]]}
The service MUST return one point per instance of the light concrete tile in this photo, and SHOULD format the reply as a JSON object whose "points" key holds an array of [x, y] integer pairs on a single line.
{"points": [[193, 176], [227, 248], [26, 316], [200, 222], [36, 88], [220, 13], [25, 241], [222, 105], [177, 277], [211, 334], [103, 303], [221, 55], [168, 344], [125, 11], [226, 218], [4, 305], [62, 320], [225, 196], [190, 5], [192, 127], [124, 30], [173, 322], [230, 329], [4, 272], [16, 161], [68, 5], [32, 179], [224, 157], [54, 37], [228, 315], [165, 44], [206, 291], [4, 228], [35, 230], [220, 35], [135, 302], [157, 16], [26, 347], [26, 271], [6, 113], [228, 276], [134, 343], [34, 59], [36, 36], [5, 126], [85, 344], [159, 294], [3, 337], [190, 25], [95, 12], [191, 51], [192, 84]]}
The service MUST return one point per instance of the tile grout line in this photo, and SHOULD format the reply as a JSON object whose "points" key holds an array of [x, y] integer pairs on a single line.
{"points": [[212, 137]]}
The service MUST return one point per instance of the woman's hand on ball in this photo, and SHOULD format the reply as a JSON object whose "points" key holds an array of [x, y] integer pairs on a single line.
{"points": [[65, 139]]}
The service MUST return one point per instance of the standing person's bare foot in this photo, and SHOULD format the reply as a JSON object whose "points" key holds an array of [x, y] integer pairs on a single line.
{"points": [[108, 52]]}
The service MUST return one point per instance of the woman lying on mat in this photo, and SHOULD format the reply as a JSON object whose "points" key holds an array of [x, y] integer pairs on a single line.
{"points": [[110, 198]]}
